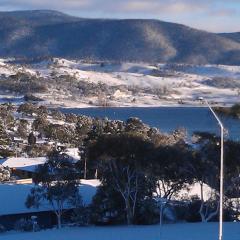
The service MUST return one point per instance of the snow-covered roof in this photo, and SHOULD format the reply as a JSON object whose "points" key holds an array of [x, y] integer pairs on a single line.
{"points": [[41, 141], [28, 164], [73, 153], [18, 139], [13, 197]]}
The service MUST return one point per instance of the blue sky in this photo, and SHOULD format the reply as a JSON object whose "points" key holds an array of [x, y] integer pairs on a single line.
{"points": [[210, 15]]}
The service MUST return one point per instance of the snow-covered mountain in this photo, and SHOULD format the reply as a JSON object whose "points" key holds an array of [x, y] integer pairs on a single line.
{"points": [[51, 33]]}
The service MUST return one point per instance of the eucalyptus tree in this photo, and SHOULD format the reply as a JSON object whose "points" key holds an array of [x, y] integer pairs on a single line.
{"points": [[56, 183], [119, 159], [206, 171]]}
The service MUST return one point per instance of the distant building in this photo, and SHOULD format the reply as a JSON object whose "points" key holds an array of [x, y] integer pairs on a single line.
{"points": [[73, 154], [23, 167]]}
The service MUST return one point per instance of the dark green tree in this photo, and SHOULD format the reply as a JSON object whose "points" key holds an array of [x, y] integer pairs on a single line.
{"points": [[205, 170], [4, 137], [119, 161], [31, 139], [22, 128]]}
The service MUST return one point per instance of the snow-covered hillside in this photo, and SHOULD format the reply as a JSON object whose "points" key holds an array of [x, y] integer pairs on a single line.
{"points": [[130, 84]]}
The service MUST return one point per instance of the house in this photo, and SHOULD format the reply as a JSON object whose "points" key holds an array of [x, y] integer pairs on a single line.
{"points": [[19, 140], [23, 167], [13, 198], [73, 154]]}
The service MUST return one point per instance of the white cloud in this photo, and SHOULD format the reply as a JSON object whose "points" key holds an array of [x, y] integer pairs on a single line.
{"points": [[170, 6]]}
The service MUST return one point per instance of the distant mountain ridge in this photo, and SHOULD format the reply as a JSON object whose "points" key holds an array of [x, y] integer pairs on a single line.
{"points": [[51, 33], [234, 36]]}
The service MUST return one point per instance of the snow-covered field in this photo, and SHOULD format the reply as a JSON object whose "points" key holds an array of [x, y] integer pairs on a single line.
{"points": [[194, 231], [182, 84]]}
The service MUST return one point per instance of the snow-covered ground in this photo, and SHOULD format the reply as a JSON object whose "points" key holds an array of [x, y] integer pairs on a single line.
{"points": [[185, 231], [184, 83]]}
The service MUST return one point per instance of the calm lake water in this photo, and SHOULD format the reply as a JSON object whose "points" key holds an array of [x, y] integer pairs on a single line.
{"points": [[167, 119]]}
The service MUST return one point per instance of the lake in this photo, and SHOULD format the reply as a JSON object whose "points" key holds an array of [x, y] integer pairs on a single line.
{"points": [[167, 118]]}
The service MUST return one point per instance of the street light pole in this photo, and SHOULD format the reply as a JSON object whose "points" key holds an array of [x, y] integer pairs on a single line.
{"points": [[221, 172]]}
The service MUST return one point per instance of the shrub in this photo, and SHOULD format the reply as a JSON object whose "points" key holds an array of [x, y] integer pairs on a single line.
{"points": [[107, 207], [193, 211], [81, 216], [26, 225], [148, 212], [2, 229]]}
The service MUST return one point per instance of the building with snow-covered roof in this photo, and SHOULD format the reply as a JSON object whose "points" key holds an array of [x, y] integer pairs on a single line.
{"points": [[73, 154], [13, 208], [23, 167]]}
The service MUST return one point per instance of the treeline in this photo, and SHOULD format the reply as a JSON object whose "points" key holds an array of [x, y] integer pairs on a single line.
{"points": [[141, 170], [23, 83], [233, 111]]}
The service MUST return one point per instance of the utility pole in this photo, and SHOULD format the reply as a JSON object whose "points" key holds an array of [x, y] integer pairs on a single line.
{"points": [[221, 172]]}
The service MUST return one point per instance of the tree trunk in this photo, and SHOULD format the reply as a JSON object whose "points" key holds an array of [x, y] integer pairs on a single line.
{"points": [[203, 218], [204, 211], [128, 212], [161, 214], [59, 221]]}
